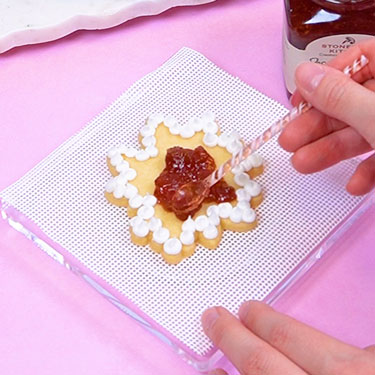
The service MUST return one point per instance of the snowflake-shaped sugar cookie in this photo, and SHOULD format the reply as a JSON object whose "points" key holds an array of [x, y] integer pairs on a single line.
{"points": [[133, 183]]}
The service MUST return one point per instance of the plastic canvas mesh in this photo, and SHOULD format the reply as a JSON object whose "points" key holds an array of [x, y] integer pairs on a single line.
{"points": [[64, 196]]}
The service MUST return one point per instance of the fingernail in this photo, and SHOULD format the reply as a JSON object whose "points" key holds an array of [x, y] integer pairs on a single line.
{"points": [[244, 310], [309, 75], [209, 318]]}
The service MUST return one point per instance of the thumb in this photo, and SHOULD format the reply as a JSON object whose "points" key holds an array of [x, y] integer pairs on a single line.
{"points": [[338, 96]]}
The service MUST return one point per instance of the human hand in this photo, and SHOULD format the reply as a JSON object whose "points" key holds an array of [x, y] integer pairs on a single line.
{"points": [[342, 123], [265, 342]]}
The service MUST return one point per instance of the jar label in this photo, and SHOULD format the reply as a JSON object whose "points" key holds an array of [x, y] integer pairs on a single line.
{"points": [[318, 51]]}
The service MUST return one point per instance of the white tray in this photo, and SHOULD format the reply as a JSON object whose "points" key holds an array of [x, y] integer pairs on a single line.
{"points": [[34, 21]]}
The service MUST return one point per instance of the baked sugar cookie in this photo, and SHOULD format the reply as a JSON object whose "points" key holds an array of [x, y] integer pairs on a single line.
{"points": [[163, 140]]}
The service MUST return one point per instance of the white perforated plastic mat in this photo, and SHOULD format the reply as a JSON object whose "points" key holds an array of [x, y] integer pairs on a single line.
{"points": [[64, 196]]}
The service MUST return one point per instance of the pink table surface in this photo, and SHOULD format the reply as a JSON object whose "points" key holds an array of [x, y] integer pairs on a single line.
{"points": [[51, 322]]}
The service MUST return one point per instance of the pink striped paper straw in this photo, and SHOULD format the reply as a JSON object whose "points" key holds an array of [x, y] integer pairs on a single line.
{"points": [[276, 128]]}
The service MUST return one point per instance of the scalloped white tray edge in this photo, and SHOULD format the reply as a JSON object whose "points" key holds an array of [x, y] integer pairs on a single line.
{"points": [[77, 21]]}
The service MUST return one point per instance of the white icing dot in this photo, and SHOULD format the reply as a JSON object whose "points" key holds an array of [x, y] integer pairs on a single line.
{"points": [[122, 149], [201, 223], [130, 191], [234, 146], [135, 221], [244, 205], [253, 188], [256, 160], [248, 215], [241, 179], [213, 209], [147, 131], [210, 127], [141, 229], [112, 152], [146, 212], [130, 152], [136, 201], [173, 246], [208, 116], [149, 141], [214, 219], [152, 151], [242, 195], [130, 174], [210, 232], [152, 123], [170, 121], [121, 179], [175, 129], [155, 224], [116, 160], [122, 167], [238, 169], [156, 117], [119, 191], [149, 200], [186, 131], [231, 145], [188, 225], [234, 135], [161, 235], [210, 139], [187, 238], [225, 210], [223, 140], [236, 215], [196, 123], [110, 186], [142, 155], [247, 164]]}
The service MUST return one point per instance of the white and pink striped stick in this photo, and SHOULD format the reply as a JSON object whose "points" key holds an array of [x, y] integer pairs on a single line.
{"points": [[275, 129]]}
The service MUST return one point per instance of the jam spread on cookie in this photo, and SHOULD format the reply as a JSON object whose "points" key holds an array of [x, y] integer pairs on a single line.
{"points": [[182, 166]]}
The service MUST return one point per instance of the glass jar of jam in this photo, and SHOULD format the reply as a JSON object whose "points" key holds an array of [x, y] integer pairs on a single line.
{"points": [[318, 30]]}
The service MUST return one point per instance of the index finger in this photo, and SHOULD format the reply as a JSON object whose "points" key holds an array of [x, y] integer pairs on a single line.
{"points": [[248, 353], [313, 351], [341, 61]]}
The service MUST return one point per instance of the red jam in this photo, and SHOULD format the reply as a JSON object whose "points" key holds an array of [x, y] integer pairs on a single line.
{"points": [[182, 166]]}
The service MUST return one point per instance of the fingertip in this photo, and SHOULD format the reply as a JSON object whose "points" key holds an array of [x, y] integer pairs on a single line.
{"points": [[244, 310], [292, 99], [208, 319], [281, 140], [351, 186], [289, 139], [299, 162], [358, 185], [363, 179], [296, 98], [308, 77], [248, 307]]}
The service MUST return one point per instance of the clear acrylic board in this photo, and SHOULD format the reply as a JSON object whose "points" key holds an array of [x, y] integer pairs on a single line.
{"points": [[60, 205]]}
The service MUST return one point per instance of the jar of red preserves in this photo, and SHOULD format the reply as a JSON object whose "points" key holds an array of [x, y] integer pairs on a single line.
{"points": [[318, 30]]}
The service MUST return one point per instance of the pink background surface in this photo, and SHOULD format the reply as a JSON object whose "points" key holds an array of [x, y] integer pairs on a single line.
{"points": [[51, 322]]}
